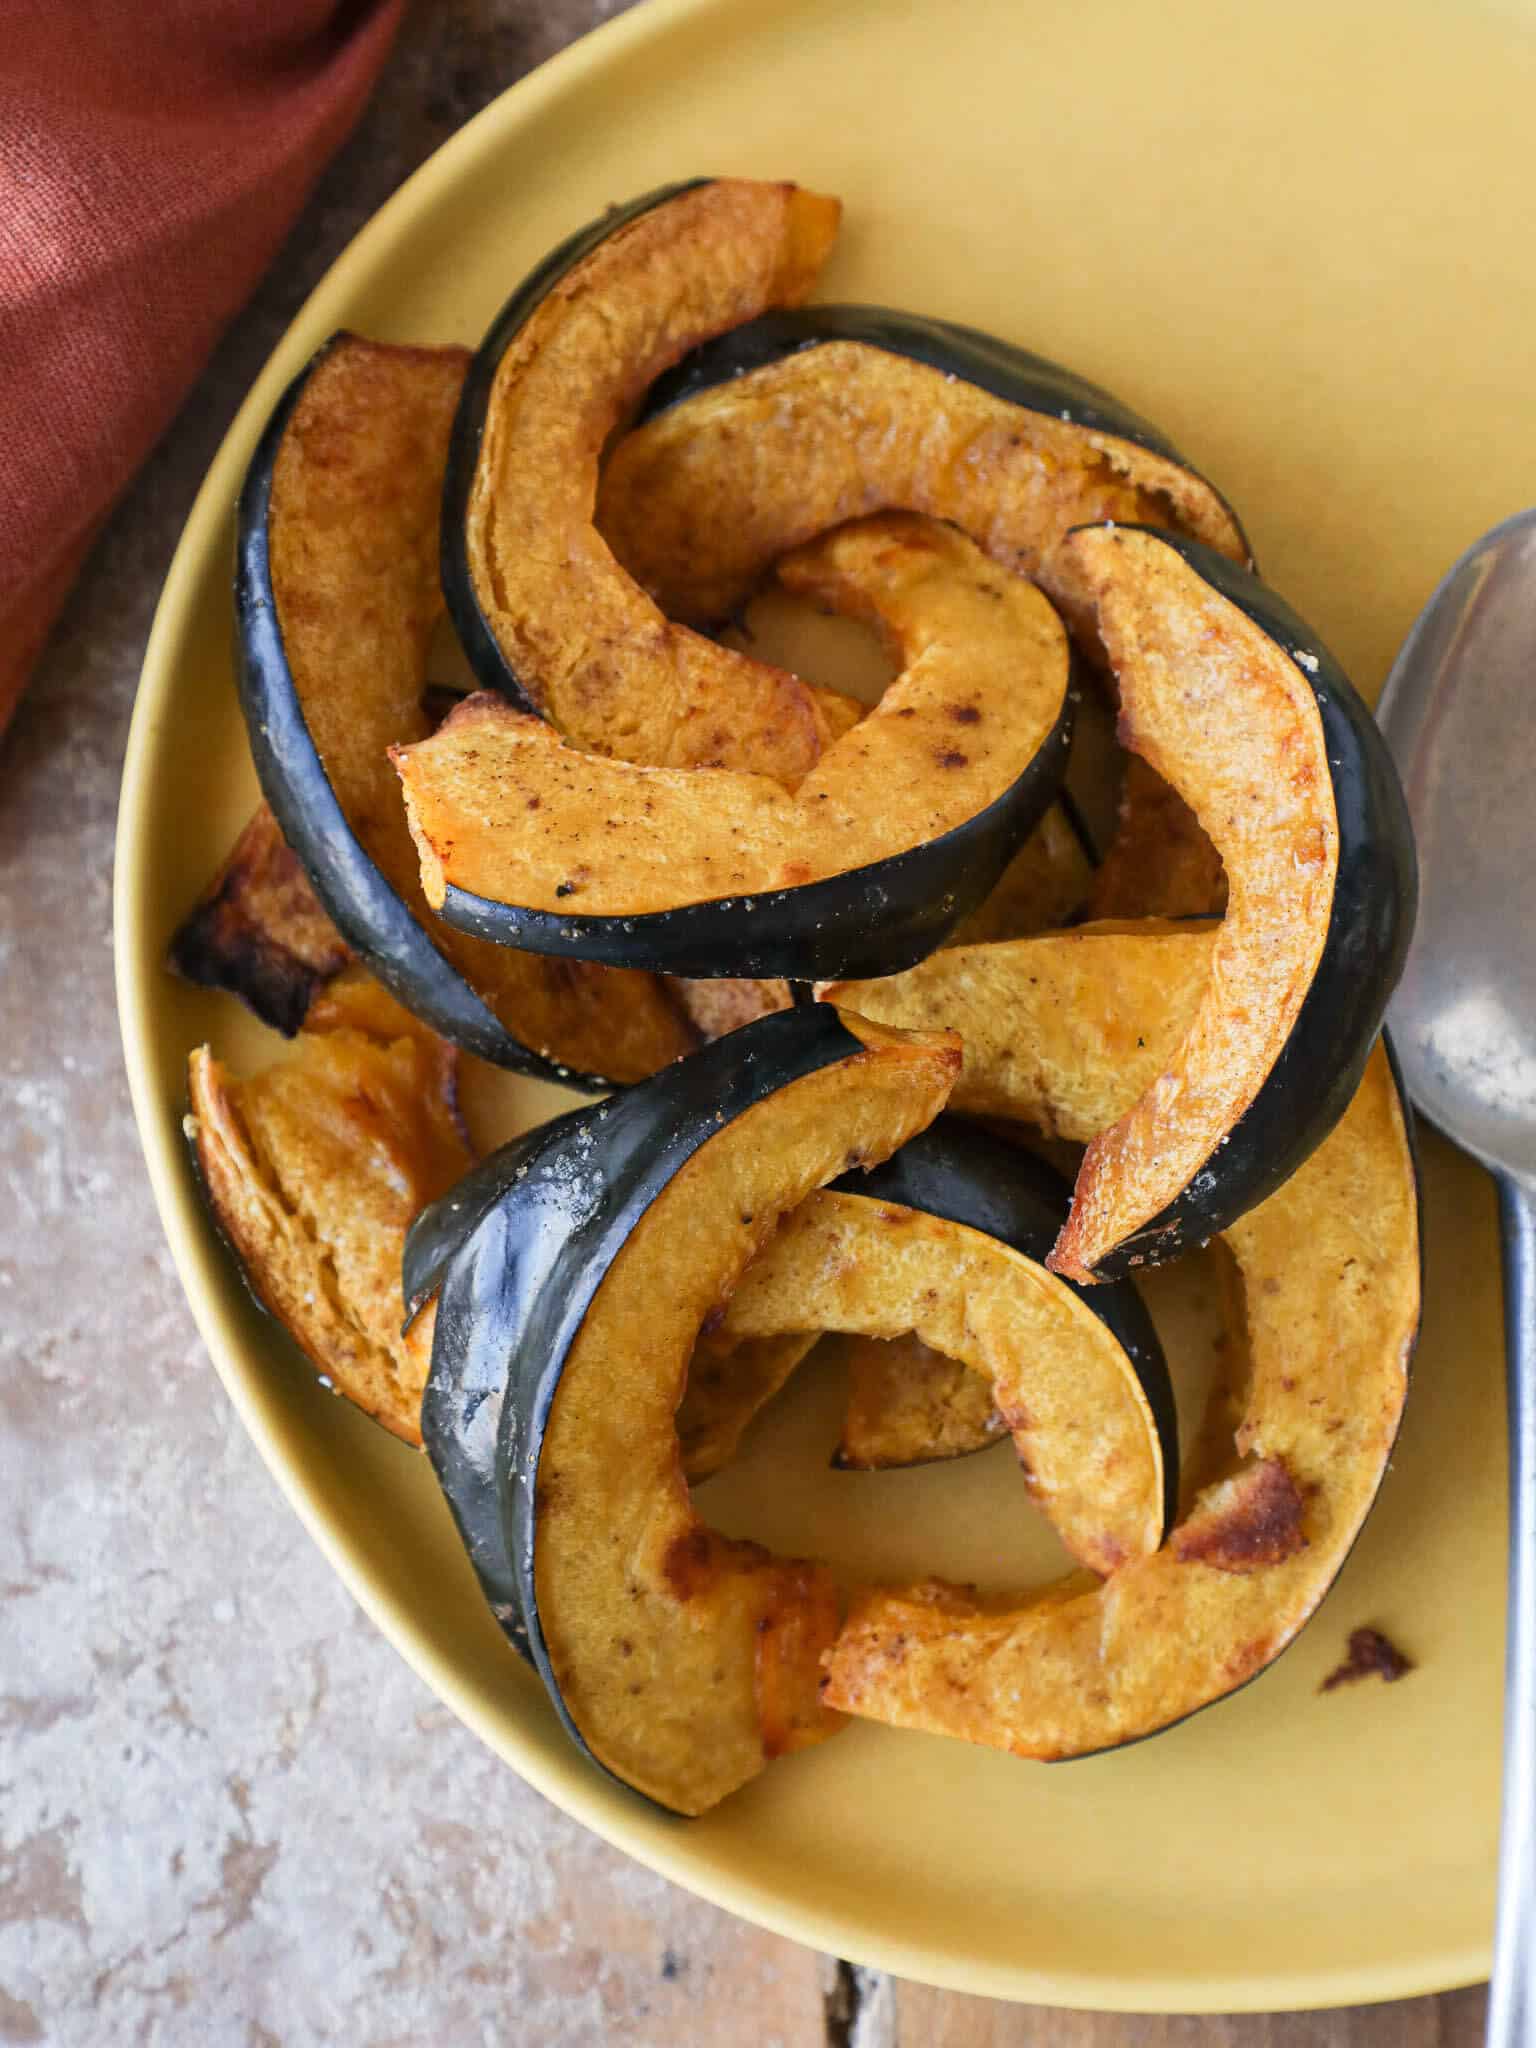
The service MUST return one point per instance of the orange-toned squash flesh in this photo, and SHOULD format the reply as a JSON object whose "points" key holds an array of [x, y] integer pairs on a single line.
{"points": [[908, 1404], [592, 650], [654, 1625], [699, 501], [1330, 1269], [315, 1169], [1080, 1422], [353, 528], [1224, 716], [1161, 862], [1066, 1031], [502, 808]]}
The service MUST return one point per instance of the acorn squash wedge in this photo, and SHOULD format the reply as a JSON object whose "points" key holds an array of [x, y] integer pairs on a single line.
{"points": [[800, 420], [1234, 701], [545, 613], [1082, 1426], [901, 829], [1246, 715], [314, 1169], [596, 1250], [907, 1402], [336, 597], [259, 931], [1331, 1280]]}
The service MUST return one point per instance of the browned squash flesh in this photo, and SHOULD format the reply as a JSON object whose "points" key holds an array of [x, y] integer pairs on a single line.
{"points": [[1060, 1380], [699, 501], [502, 808], [1223, 715], [728, 1385], [687, 1660], [258, 930], [588, 645], [1161, 862], [1330, 1267], [315, 1168], [909, 1405], [354, 556], [1066, 1031]]}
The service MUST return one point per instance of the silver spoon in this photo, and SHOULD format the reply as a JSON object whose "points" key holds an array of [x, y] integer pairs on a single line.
{"points": [[1459, 711]]}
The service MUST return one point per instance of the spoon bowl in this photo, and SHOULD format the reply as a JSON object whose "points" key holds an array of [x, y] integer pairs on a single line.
{"points": [[1459, 712], [1459, 717]]}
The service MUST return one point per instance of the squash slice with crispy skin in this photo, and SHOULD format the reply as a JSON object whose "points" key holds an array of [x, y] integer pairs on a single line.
{"points": [[802, 420], [901, 828], [337, 597], [595, 1252], [1246, 715], [314, 1169], [1331, 1280], [545, 613], [1071, 1397], [1227, 695]]}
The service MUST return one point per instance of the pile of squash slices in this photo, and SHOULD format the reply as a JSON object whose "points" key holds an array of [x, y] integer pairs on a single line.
{"points": [[846, 983]]}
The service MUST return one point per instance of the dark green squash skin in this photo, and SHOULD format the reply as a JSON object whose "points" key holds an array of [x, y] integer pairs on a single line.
{"points": [[1016, 375], [1371, 922], [967, 1176], [364, 908], [490, 664], [545, 1219], [871, 920]]}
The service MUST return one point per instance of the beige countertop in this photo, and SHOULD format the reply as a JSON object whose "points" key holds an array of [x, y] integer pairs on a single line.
{"points": [[228, 1812]]}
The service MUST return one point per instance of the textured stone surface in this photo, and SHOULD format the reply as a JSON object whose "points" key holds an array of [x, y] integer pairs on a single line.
{"points": [[228, 1813]]}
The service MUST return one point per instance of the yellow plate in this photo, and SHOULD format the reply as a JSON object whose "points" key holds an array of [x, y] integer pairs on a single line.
{"points": [[1300, 237]]}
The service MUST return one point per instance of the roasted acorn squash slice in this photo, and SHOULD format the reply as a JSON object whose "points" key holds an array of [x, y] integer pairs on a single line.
{"points": [[259, 931], [596, 1250], [314, 1168], [545, 613], [336, 598], [900, 830], [1331, 1279], [1090, 1447], [907, 1402], [1233, 700], [1247, 716], [801, 420]]}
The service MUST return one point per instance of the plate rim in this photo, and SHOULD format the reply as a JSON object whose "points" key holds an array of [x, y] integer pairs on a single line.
{"points": [[137, 969]]}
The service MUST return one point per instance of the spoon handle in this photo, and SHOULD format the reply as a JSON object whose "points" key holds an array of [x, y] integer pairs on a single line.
{"points": [[1512, 1997]]}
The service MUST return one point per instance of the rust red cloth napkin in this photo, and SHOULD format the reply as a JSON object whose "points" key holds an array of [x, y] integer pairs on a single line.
{"points": [[153, 153]]}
